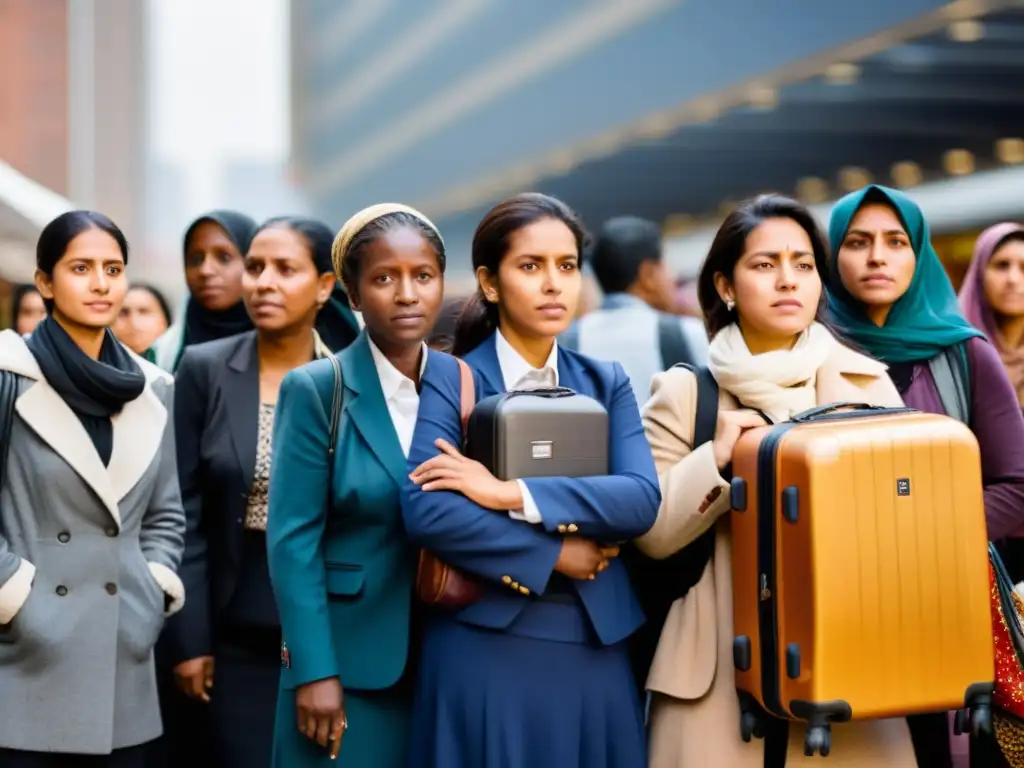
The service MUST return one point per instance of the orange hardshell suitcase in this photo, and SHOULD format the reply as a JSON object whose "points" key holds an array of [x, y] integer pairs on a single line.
{"points": [[860, 570]]}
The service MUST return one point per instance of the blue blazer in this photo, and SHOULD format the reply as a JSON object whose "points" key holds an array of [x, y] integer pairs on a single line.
{"points": [[340, 563], [491, 545]]}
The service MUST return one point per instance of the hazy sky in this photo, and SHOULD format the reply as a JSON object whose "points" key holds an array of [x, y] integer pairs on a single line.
{"points": [[219, 86]]}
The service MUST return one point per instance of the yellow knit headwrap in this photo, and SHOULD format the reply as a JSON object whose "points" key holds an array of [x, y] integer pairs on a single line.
{"points": [[355, 225]]}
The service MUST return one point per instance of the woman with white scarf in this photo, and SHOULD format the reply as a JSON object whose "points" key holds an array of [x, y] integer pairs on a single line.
{"points": [[762, 298]]}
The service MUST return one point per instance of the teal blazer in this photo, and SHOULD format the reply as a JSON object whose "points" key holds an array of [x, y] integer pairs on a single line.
{"points": [[340, 563]]}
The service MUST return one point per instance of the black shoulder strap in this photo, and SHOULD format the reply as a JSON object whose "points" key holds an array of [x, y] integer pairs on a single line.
{"points": [[570, 337], [674, 347], [952, 377], [705, 416], [8, 396], [335, 417]]}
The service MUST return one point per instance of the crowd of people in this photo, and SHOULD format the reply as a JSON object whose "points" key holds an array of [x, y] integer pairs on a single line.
{"points": [[210, 525]]}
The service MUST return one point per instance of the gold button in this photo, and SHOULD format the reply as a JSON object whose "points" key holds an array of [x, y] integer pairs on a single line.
{"points": [[506, 579], [572, 528], [515, 585], [524, 590], [561, 529]]}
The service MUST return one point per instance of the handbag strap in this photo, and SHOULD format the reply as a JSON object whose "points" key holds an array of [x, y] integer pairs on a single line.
{"points": [[467, 395], [335, 420], [8, 396]]}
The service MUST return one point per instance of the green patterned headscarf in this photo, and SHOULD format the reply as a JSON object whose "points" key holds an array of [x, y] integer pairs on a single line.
{"points": [[926, 319]]}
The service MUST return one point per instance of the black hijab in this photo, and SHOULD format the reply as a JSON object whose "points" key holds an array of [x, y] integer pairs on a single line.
{"points": [[200, 323], [94, 389]]}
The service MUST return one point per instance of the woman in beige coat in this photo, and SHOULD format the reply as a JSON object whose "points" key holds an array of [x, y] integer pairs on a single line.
{"points": [[761, 293]]}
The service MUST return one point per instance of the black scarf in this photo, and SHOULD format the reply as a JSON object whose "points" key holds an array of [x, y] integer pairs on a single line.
{"points": [[202, 325], [94, 389]]}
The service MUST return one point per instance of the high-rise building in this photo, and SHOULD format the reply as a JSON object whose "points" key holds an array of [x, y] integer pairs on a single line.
{"points": [[73, 77]]}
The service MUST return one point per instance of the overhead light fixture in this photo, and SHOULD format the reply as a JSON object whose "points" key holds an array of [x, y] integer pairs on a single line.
{"points": [[676, 224], [764, 97], [906, 174], [1010, 151], [842, 73], [853, 178], [812, 190], [958, 162], [966, 31]]}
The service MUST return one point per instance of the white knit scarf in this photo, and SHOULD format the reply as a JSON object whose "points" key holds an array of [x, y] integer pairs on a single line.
{"points": [[779, 383]]}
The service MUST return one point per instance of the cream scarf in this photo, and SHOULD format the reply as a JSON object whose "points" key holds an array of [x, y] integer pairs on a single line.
{"points": [[779, 383]]}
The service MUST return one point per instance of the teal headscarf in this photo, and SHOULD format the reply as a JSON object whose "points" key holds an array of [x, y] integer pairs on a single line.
{"points": [[926, 319]]}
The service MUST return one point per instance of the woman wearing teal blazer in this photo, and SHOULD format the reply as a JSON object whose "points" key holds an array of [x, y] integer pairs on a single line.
{"points": [[341, 566]]}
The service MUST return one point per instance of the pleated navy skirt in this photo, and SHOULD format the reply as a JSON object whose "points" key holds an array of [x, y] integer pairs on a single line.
{"points": [[490, 699]]}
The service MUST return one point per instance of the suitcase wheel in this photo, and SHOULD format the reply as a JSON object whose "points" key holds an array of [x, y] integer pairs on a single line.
{"points": [[981, 719], [960, 722], [751, 726], [818, 740]]}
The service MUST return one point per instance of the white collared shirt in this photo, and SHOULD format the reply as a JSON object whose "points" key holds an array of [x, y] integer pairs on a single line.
{"points": [[400, 395], [518, 374]]}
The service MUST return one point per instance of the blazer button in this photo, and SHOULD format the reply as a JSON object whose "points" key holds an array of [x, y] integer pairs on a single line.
{"points": [[111, 589], [111, 531], [63, 537], [61, 590], [572, 528], [506, 579], [561, 529], [514, 585], [524, 590]]}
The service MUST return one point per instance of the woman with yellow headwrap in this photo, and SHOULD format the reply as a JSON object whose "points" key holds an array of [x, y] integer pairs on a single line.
{"points": [[341, 566]]}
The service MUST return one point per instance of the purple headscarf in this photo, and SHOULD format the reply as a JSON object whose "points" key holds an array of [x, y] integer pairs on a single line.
{"points": [[976, 308]]}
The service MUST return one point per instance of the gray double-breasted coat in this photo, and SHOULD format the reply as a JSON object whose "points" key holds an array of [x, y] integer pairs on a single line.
{"points": [[88, 554]]}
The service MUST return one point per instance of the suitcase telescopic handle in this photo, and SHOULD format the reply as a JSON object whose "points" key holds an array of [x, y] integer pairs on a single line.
{"points": [[543, 392], [822, 411]]}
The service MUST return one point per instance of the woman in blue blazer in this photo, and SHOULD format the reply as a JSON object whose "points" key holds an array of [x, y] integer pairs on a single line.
{"points": [[340, 564], [536, 673]]}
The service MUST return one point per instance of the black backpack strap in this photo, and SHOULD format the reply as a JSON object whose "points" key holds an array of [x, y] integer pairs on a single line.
{"points": [[659, 583], [952, 377], [8, 397], [570, 337], [675, 349]]}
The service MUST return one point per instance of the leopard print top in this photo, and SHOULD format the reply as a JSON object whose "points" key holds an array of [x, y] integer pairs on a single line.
{"points": [[256, 509]]}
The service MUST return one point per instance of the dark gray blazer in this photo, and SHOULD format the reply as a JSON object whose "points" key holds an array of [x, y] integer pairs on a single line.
{"points": [[87, 555]]}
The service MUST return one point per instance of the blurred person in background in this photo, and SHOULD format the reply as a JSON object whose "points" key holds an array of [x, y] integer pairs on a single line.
{"points": [[443, 333], [891, 296], [226, 644], [90, 515], [27, 309], [687, 302], [215, 245], [145, 317], [637, 325]]}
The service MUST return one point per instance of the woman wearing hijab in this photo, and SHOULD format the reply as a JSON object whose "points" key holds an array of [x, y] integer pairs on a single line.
{"points": [[891, 296], [27, 309], [215, 245], [226, 645], [90, 515]]}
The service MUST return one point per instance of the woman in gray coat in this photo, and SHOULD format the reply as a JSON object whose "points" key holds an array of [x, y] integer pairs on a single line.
{"points": [[91, 524]]}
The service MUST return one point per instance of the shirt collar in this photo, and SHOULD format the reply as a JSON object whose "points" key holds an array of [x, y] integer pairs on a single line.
{"points": [[623, 301], [391, 379], [514, 368]]}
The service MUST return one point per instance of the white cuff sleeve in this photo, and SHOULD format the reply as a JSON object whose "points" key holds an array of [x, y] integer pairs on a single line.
{"points": [[171, 585], [14, 591], [529, 513]]}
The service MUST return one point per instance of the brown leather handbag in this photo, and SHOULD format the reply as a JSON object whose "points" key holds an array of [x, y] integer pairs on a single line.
{"points": [[437, 583]]}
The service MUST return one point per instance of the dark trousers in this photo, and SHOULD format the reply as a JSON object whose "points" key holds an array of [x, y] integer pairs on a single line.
{"points": [[187, 740], [130, 757]]}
